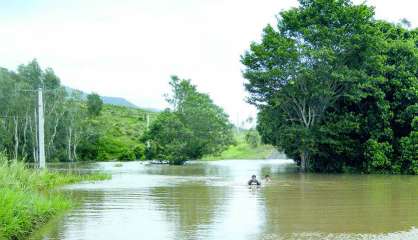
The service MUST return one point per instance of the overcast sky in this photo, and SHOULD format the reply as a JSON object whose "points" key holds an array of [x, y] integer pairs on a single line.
{"points": [[129, 48]]}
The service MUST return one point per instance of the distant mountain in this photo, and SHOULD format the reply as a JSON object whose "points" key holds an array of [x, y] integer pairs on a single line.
{"points": [[118, 101]]}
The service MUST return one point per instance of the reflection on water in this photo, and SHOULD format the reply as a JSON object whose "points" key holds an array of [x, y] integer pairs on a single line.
{"points": [[209, 200]]}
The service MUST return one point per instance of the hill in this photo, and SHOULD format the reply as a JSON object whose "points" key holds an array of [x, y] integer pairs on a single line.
{"points": [[118, 133], [243, 150], [118, 101]]}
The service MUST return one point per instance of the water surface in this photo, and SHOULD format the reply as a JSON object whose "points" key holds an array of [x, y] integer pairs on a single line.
{"points": [[210, 200]]}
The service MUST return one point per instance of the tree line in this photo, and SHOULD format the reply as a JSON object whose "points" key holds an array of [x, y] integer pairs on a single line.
{"points": [[67, 117], [336, 89], [79, 128]]}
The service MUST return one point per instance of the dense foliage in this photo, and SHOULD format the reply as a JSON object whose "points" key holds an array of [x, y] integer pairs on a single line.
{"points": [[194, 127], [337, 89], [94, 104], [74, 129]]}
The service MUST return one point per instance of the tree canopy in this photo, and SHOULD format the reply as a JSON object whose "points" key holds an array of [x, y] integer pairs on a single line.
{"points": [[194, 127], [74, 129], [94, 104], [336, 89]]}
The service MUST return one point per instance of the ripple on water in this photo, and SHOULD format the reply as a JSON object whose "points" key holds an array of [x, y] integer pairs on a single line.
{"points": [[412, 234]]}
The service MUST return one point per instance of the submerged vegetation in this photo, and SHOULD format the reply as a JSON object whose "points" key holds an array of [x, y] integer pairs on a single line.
{"points": [[337, 89], [28, 199]]}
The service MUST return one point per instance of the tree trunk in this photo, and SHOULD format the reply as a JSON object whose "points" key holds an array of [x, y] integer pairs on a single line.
{"points": [[34, 138], [54, 134], [16, 121], [24, 152], [75, 152], [70, 132], [304, 157]]}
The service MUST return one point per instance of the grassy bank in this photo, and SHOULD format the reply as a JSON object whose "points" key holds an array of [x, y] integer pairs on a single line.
{"points": [[28, 199], [243, 150]]}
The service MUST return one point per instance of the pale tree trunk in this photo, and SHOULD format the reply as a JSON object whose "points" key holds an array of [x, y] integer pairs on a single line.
{"points": [[34, 138], [54, 134], [75, 151], [70, 132], [75, 144], [16, 153], [24, 153]]}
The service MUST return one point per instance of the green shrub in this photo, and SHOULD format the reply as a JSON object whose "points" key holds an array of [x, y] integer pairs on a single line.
{"points": [[409, 150], [126, 155], [139, 152], [378, 156]]}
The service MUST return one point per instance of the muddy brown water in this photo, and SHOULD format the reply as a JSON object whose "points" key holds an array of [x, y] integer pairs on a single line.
{"points": [[210, 200]]}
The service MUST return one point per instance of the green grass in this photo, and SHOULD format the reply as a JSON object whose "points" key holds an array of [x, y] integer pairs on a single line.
{"points": [[243, 150], [28, 199]]}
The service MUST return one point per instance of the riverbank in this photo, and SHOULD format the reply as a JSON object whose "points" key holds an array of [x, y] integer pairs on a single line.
{"points": [[28, 199]]}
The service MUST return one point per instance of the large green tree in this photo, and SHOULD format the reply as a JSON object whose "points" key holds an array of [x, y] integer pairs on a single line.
{"points": [[335, 88], [194, 127], [94, 104]]}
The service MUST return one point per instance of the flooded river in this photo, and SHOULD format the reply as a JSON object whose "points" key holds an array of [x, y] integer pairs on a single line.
{"points": [[210, 200]]}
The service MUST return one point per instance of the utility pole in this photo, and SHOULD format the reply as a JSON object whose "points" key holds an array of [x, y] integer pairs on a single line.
{"points": [[41, 130]]}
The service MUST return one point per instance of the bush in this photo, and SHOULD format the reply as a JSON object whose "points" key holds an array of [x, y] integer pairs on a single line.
{"points": [[409, 150], [378, 156], [127, 155], [139, 152]]}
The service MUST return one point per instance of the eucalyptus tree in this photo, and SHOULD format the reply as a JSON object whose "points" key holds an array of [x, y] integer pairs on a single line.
{"points": [[18, 113]]}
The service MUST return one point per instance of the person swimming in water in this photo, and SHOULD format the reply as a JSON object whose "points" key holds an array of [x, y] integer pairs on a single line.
{"points": [[267, 178], [254, 181]]}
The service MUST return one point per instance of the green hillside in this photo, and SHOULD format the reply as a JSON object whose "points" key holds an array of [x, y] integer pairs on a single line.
{"points": [[243, 150], [120, 131]]}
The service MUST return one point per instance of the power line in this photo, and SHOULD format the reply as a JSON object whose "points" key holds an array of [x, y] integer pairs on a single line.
{"points": [[32, 90]]}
